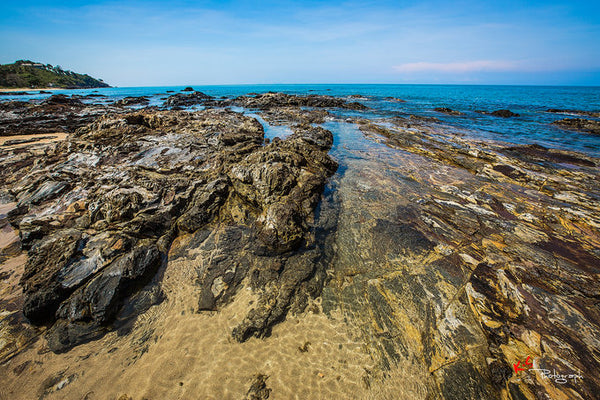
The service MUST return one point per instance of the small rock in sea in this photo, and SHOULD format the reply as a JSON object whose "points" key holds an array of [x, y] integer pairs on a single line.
{"points": [[504, 113], [499, 113], [448, 111], [188, 89]]}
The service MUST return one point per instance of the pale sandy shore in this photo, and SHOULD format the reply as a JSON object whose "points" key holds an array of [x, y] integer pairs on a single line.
{"points": [[7, 90], [25, 140]]}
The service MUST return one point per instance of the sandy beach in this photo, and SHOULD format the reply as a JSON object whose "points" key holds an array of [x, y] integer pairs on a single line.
{"points": [[8, 90]]}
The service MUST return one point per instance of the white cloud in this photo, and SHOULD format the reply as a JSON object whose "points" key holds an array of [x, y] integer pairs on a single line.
{"points": [[458, 67]]}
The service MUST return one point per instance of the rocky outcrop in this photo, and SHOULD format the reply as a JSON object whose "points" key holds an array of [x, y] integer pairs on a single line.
{"points": [[447, 111], [579, 124], [63, 100], [57, 113], [186, 99], [99, 213], [514, 234], [295, 115], [499, 113], [132, 101], [269, 100]]}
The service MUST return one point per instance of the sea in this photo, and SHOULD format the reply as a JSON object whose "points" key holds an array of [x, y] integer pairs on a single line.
{"points": [[533, 126]]}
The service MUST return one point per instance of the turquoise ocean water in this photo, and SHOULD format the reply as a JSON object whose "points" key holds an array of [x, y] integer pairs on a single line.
{"points": [[531, 102]]}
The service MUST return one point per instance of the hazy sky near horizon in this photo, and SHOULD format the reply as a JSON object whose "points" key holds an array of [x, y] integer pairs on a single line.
{"points": [[153, 43]]}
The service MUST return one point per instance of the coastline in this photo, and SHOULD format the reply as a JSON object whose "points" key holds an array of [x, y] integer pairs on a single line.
{"points": [[8, 90]]}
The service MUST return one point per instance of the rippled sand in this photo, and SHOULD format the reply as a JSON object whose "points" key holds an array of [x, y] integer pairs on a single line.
{"points": [[175, 353]]}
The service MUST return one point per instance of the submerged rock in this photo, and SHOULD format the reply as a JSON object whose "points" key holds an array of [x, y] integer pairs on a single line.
{"points": [[579, 124], [536, 153], [395, 99], [258, 390], [595, 114], [448, 111]]}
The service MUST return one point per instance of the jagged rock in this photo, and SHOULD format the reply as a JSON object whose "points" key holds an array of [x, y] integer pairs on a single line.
{"points": [[85, 314], [96, 234], [40, 280]]}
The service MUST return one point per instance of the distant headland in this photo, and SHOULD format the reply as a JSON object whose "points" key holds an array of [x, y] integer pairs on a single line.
{"points": [[33, 75]]}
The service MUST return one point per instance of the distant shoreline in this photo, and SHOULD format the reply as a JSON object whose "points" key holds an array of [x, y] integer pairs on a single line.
{"points": [[29, 89]]}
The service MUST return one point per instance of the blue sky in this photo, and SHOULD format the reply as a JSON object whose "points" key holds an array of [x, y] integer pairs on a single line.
{"points": [[140, 43]]}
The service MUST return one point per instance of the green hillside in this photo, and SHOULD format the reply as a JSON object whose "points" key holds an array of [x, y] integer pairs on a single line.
{"points": [[29, 74]]}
